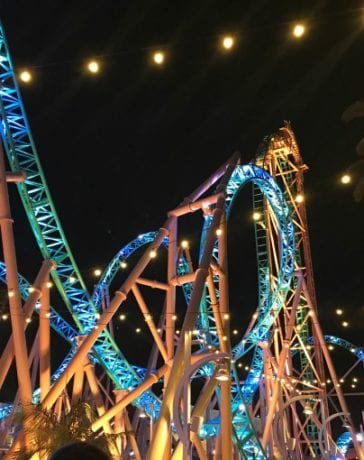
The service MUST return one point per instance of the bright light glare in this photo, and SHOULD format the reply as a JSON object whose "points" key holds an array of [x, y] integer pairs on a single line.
{"points": [[123, 264], [93, 66], [97, 272], [25, 76], [345, 179], [153, 254], [228, 42], [299, 198], [298, 30], [158, 57], [257, 215], [339, 311], [345, 324], [184, 244]]}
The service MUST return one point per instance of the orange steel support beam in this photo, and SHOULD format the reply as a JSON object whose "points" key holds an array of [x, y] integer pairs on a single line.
{"points": [[104, 320], [226, 415], [8, 353], [152, 283], [149, 320], [44, 343], [272, 401], [120, 405], [157, 446], [96, 394], [204, 203], [16, 312]]}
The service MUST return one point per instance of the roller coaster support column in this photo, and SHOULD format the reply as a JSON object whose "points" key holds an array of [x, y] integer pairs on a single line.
{"points": [[16, 312], [8, 353], [272, 401], [225, 436], [165, 417], [316, 325], [44, 342], [106, 317]]}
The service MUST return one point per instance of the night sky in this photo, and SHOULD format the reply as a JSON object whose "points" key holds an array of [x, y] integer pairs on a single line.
{"points": [[121, 148]]}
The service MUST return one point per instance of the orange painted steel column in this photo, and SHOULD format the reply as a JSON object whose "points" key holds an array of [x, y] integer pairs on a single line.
{"points": [[119, 406], [8, 353], [161, 430], [332, 371], [44, 342], [119, 421], [106, 317], [226, 415], [16, 312], [149, 320], [79, 375], [165, 417], [272, 401], [171, 293]]}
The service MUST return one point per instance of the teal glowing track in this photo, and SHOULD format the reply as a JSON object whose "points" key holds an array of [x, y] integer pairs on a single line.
{"points": [[83, 307]]}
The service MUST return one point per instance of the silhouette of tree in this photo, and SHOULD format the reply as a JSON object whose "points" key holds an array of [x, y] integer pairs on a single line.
{"points": [[356, 110]]}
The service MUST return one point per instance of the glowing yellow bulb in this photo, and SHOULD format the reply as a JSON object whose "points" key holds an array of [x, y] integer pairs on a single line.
{"points": [[97, 315], [299, 198], [122, 317], [72, 279], [158, 57], [123, 264], [339, 311], [331, 347], [93, 66], [97, 272], [355, 379], [4, 316], [257, 215], [235, 331], [174, 317], [345, 324], [28, 320], [226, 316], [345, 179], [49, 284], [31, 289], [137, 330], [298, 30], [219, 232], [184, 244], [228, 42], [153, 254], [25, 76], [11, 293]]}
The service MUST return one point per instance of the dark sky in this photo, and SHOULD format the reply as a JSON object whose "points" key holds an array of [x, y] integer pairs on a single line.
{"points": [[122, 148]]}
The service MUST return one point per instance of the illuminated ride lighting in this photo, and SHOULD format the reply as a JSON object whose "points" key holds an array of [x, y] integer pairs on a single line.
{"points": [[184, 244], [93, 67], [298, 30], [345, 179], [345, 324], [257, 216], [158, 57], [123, 264], [97, 272], [339, 311], [228, 42], [25, 76], [299, 198], [153, 254]]}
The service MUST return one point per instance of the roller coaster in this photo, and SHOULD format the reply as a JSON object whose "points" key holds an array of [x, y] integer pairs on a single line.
{"points": [[189, 400]]}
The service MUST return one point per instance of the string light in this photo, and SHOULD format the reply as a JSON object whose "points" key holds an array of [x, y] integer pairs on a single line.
{"points": [[257, 215], [137, 330], [228, 42], [49, 284], [345, 324], [122, 317], [93, 67], [339, 311], [4, 316], [219, 232], [299, 198], [123, 264], [184, 244], [298, 30], [158, 57], [153, 254], [345, 179], [97, 272], [25, 76]]}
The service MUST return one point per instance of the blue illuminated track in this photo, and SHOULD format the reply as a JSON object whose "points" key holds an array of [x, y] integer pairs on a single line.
{"points": [[34, 193]]}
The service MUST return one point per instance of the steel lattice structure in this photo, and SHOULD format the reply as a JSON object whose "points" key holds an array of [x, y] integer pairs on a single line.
{"points": [[262, 416]]}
